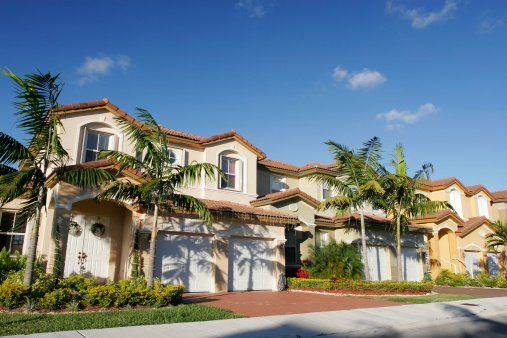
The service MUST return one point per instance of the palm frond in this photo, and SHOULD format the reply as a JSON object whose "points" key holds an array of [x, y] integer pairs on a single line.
{"points": [[339, 204], [12, 151], [5, 169], [398, 161], [371, 152], [123, 191], [191, 204], [183, 176], [84, 177]]}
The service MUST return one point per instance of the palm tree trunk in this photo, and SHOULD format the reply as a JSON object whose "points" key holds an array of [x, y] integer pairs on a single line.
{"points": [[151, 256], [34, 239], [398, 247], [364, 249]]}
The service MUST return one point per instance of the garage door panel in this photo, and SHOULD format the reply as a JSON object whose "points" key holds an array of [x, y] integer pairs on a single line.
{"points": [[251, 265], [410, 264], [185, 260], [378, 263]]}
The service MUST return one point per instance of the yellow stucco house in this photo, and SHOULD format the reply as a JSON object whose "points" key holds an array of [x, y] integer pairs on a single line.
{"points": [[265, 217]]}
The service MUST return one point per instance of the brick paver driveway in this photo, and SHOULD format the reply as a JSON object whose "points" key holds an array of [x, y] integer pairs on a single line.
{"points": [[258, 303]]}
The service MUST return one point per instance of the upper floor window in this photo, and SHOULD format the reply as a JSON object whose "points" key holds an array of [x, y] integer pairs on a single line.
{"points": [[174, 157], [482, 206], [455, 200], [277, 183], [95, 142], [231, 166], [327, 192], [11, 236]]}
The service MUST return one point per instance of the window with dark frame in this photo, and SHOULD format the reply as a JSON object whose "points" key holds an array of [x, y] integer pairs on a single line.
{"points": [[11, 236]]}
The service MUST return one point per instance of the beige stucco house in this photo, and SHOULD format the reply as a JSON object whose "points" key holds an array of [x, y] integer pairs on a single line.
{"points": [[265, 217]]}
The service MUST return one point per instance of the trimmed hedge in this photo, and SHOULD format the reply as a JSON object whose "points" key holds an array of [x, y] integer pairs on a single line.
{"points": [[358, 286], [448, 278]]}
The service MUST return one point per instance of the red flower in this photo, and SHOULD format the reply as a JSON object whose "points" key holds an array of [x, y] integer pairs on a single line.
{"points": [[300, 273]]}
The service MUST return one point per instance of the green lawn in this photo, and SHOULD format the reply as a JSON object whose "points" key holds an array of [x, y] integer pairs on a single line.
{"points": [[439, 297], [20, 323]]}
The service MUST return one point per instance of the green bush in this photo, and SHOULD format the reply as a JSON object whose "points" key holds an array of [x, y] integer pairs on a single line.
{"points": [[9, 264], [44, 284], [335, 260], [13, 295], [78, 283], [165, 295], [354, 286], [57, 299], [448, 278], [102, 295]]}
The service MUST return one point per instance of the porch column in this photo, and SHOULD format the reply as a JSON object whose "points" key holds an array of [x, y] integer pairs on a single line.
{"points": [[434, 254]]}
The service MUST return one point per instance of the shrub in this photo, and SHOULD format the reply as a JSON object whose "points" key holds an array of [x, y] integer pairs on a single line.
{"points": [[300, 273], [44, 284], [360, 285], [57, 299], [78, 283], [9, 264], [448, 278], [335, 260], [164, 295], [102, 295], [13, 295]]}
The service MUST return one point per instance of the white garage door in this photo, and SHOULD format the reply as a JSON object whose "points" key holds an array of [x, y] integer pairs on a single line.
{"points": [[251, 265], [472, 263], [410, 265], [378, 264], [492, 262], [184, 260]]}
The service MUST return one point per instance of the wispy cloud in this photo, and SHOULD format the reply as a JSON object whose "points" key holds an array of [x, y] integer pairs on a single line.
{"points": [[254, 8], [364, 79], [93, 68], [420, 17], [488, 24], [398, 119]]}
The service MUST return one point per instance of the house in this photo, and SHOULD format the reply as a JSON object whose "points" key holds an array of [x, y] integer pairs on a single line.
{"points": [[457, 241], [265, 217]]}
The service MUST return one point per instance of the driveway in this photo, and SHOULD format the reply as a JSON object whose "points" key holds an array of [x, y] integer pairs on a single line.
{"points": [[258, 303]]}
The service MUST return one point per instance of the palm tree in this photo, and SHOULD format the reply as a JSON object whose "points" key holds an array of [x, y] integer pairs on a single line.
{"points": [[160, 176], [499, 235], [400, 199], [355, 183], [335, 260], [39, 156]]}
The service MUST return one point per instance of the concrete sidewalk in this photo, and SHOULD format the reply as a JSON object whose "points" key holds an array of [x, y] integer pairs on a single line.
{"points": [[485, 317]]}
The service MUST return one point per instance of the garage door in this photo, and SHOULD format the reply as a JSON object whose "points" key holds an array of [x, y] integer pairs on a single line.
{"points": [[184, 260], [251, 265], [410, 264], [472, 262], [378, 264], [492, 263]]}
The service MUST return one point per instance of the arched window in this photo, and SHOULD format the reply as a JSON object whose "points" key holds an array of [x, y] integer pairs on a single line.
{"points": [[232, 166], [95, 138], [455, 200], [482, 206]]}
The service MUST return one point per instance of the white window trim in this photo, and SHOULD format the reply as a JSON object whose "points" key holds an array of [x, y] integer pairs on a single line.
{"points": [[322, 187], [111, 146], [179, 155], [239, 187], [457, 208], [485, 213], [272, 177]]}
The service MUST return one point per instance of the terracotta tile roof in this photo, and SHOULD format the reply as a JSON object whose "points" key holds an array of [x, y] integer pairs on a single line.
{"points": [[236, 208], [444, 183], [438, 217], [274, 164], [500, 196], [277, 196], [198, 140], [368, 217], [472, 224]]}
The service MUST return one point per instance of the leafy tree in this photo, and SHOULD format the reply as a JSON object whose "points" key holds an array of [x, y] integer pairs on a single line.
{"points": [[39, 156], [356, 183], [160, 177], [498, 237], [401, 199], [335, 260]]}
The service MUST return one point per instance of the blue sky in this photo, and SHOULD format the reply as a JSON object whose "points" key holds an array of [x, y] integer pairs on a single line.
{"points": [[286, 74]]}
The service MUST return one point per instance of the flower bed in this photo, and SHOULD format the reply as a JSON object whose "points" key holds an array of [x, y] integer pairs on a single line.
{"points": [[359, 287]]}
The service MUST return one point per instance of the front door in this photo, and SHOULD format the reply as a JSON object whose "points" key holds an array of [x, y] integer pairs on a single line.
{"points": [[88, 248]]}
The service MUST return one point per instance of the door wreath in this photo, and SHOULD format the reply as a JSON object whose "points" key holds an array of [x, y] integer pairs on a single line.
{"points": [[98, 229], [74, 228]]}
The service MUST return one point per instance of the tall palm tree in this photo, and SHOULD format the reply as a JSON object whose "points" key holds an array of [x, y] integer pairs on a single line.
{"points": [[355, 183], [160, 176], [499, 235], [40, 155], [400, 199]]}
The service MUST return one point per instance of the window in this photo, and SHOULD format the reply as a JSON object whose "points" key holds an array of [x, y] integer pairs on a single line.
{"points": [[291, 252], [11, 236], [455, 200], [139, 157], [94, 143], [231, 167], [482, 205], [277, 183], [174, 159], [327, 192], [323, 238]]}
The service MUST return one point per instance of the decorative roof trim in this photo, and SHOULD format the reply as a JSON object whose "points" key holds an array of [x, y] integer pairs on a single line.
{"points": [[285, 195]]}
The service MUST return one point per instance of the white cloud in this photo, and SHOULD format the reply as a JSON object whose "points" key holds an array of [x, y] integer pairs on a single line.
{"points": [[339, 73], [397, 119], [364, 79], [252, 8], [95, 67], [489, 24], [420, 17]]}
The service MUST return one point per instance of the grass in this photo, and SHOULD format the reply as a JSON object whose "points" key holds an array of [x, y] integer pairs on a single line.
{"points": [[439, 297], [21, 323]]}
